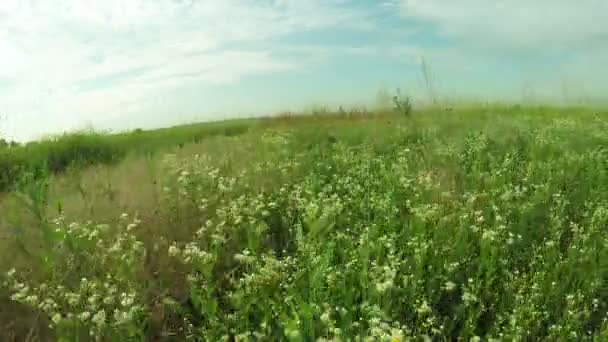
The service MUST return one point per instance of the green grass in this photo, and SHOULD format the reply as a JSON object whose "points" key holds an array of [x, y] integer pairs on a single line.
{"points": [[82, 149], [487, 223]]}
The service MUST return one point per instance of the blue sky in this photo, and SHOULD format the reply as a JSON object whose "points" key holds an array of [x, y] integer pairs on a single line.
{"points": [[121, 64]]}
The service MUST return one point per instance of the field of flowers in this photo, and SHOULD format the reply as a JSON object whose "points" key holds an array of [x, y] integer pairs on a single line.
{"points": [[486, 224]]}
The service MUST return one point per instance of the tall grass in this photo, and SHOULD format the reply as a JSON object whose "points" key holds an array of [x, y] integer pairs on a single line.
{"points": [[484, 224], [77, 150]]}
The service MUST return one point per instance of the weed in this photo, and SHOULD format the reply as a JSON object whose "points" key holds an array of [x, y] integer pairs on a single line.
{"points": [[402, 104], [458, 226]]}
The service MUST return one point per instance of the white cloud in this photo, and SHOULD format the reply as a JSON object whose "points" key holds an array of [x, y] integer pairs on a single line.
{"points": [[69, 61], [65, 63], [519, 24]]}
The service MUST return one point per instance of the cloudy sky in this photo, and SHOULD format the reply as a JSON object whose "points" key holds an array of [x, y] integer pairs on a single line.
{"points": [[121, 64]]}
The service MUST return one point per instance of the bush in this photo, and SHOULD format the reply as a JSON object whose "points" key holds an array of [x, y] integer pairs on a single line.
{"points": [[402, 104], [57, 155], [80, 150], [11, 166], [84, 149], [232, 131]]}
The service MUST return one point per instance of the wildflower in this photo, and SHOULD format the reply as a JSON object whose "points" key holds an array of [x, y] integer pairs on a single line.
{"points": [[384, 286], [108, 300], [32, 300], [325, 318], [127, 299], [73, 298], [469, 298], [16, 297], [450, 285], [173, 251], [85, 316], [100, 318], [56, 319], [11, 273], [489, 235], [423, 308]]}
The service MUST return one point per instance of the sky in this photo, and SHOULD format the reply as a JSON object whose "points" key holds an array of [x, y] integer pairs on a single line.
{"points": [[122, 64]]}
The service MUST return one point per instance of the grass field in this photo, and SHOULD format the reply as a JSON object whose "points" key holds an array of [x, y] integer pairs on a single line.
{"points": [[482, 223]]}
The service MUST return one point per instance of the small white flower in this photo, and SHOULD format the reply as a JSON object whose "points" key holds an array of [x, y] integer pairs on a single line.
{"points": [[127, 300], [108, 300], [85, 316], [325, 318], [469, 298], [11, 273], [489, 235], [423, 308], [173, 251], [73, 299], [100, 318], [450, 285], [56, 319], [32, 300], [93, 299]]}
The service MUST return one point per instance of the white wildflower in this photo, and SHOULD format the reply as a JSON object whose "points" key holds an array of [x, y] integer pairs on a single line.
{"points": [[127, 299], [450, 285], [11, 273], [85, 316], [423, 308], [100, 318], [469, 298], [32, 300], [56, 319], [173, 251]]}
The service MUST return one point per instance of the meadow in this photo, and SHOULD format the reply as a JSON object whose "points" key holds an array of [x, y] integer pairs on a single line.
{"points": [[482, 223]]}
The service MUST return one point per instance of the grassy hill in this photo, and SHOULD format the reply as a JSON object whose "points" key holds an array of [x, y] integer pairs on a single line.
{"points": [[485, 222]]}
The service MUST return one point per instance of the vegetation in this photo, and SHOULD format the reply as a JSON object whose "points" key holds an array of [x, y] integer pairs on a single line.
{"points": [[402, 104], [485, 223], [83, 149]]}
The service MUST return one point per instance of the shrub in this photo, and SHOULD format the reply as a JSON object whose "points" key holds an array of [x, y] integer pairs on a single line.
{"points": [[402, 104], [80, 150], [57, 155], [11, 166]]}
